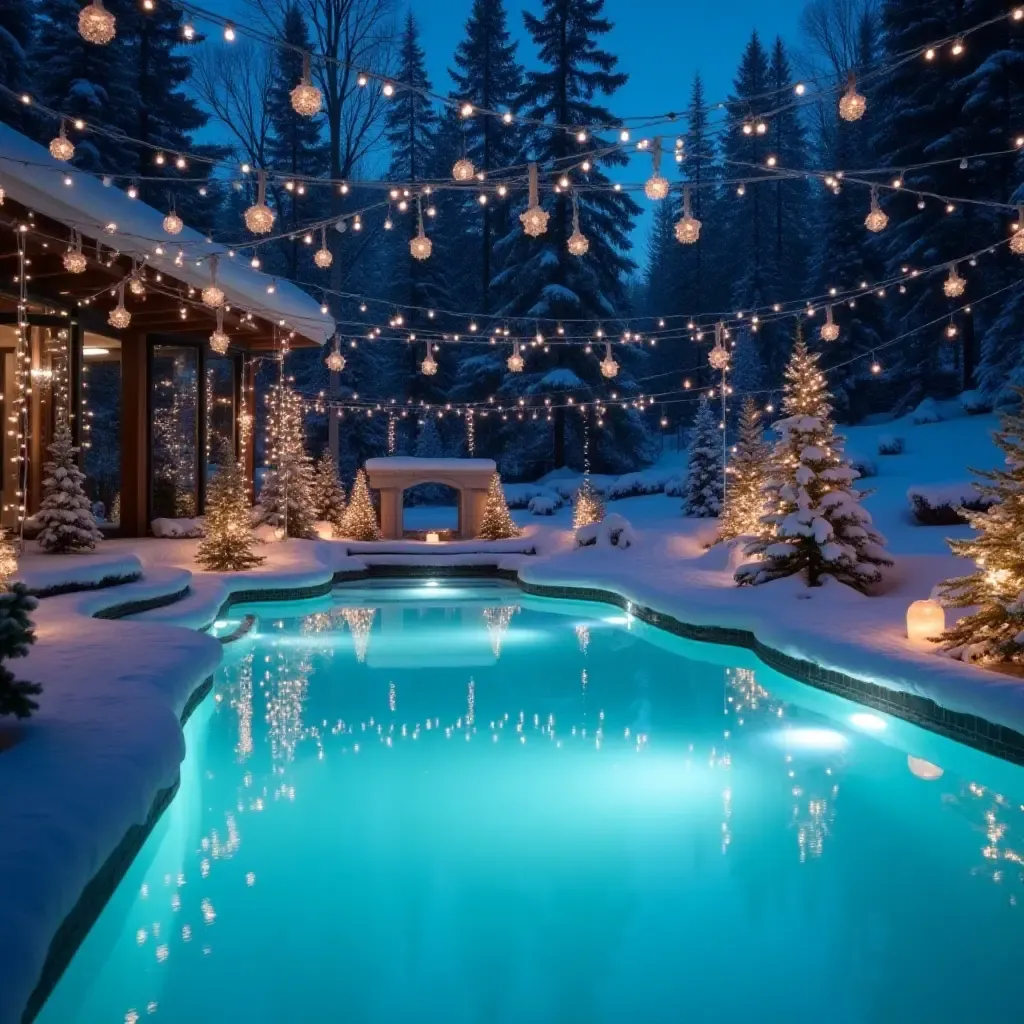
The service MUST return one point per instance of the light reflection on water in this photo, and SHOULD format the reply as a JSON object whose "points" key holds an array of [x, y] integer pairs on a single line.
{"points": [[488, 807]]}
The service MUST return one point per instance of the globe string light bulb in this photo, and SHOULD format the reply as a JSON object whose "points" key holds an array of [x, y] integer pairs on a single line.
{"points": [[74, 258], [306, 97], [323, 257], [852, 104], [119, 317], [609, 368], [578, 243], [954, 285], [219, 341], [259, 219], [135, 284], [463, 170], [718, 357], [515, 362], [429, 365], [335, 360], [420, 246], [877, 219], [213, 295], [656, 186], [829, 329], [173, 224], [96, 24], [534, 218], [1017, 238], [687, 227], [62, 148]]}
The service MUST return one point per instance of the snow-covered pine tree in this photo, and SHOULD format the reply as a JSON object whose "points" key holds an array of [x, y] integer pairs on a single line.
{"points": [[65, 513], [995, 631], [228, 543], [286, 498], [539, 277], [16, 635], [702, 492], [328, 493], [360, 519], [588, 508], [816, 525], [748, 472], [16, 22], [746, 371], [496, 523]]}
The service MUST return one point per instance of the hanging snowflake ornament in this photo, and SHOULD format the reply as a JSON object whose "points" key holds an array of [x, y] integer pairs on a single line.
{"points": [[259, 218], [335, 360], [323, 257], [954, 285], [1016, 239], [687, 227], [851, 104], [534, 218], [656, 186], [306, 97], [578, 244], [609, 368], [718, 357], [829, 329], [219, 341], [173, 224], [463, 170], [62, 148], [429, 365], [119, 317], [877, 219], [420, 246], [213, 296], [515, 362], [96, 24], [74, 258]]}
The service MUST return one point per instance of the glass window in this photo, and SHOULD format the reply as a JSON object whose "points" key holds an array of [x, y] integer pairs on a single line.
{"points": [[220, 408], [174, 423], [101, 426]]}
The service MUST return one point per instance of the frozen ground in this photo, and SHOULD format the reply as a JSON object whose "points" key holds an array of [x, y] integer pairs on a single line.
{"points": [[107, 736]]}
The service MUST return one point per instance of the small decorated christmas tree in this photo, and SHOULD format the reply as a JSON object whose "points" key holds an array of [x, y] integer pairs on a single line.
{"points": [[995, 631], [747, 475], [589, 507], [8, 560], [229, 540], [496, 523], [16, 634], [702, 492], [815, 525], [65, 513], [328, 492], [360, 519], [286, 497]]}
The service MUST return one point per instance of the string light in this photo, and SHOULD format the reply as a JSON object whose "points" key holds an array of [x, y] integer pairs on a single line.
{"points": [[212, 294], [609, 368], [74, 258], [954, 285], [429, 365], [219, 341], [515, 362], [259, 218], [62, 148], [687, 227], [534, 218], [173, 224], [96, 24], [656, 186], [306, 97], [323, 257], [578, 243], [852, 104], [463, 170], [829, 329], [420, 246], [119, 317], [1017, 239], [877, 219], [718, 357]]}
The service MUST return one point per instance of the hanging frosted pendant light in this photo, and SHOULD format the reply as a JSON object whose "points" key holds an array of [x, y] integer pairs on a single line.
{"points": [[323, 257], [687, 227], [173, 224], [851, 104], [515, 362], [335, 360], [463, 170], [74, 258], [1017, 238], [829, 329], [119, 317], [259, 218], [136, 285], [534, 218], [718, 357], [219, 341], [420, 246], [96, 24], [609, 368], [656, 186], [213, 296], [954, 285], [62, 148], [306, 97], [578, 243], [429, 365], [877, 219]]}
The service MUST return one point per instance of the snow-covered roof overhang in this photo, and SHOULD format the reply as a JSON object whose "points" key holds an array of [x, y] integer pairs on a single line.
{"points": [[34, 179]]}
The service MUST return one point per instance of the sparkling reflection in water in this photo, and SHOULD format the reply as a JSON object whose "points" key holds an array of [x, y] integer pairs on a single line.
{"points": [[462, 804]]}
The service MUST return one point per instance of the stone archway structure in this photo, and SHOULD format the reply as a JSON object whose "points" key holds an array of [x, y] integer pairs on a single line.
{"points": [[391, 476]]}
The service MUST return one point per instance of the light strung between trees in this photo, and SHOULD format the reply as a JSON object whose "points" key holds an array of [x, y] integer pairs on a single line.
{"points": [[335, 360], [687, 227], [420, 246], [656, 186], [852, 104], [829, 329], [877, 219], [306, 98], [259, 218]]}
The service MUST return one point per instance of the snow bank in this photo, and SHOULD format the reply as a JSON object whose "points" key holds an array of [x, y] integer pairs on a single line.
{"points": [[47, 573], [614, 531], [939, 504], [890, 444], [544, 504], [178, 527], [926, 412], [648, 481]]}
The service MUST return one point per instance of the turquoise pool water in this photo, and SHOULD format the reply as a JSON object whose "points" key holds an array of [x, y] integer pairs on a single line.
{"points": [[459, 804]]}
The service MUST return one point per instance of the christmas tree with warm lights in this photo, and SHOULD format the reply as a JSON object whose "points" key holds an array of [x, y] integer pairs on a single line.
{"points": [[360, 519], [286, 496], [589, 507], [995, 631], [229, 540], [328, 493], [748, 472], [816, 526], [65, 513], [8, 560], [496, 523]]}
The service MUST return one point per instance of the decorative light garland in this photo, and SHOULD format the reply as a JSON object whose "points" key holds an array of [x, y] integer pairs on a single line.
{"points": [[515, 362], [323, 257], [609, 368], [213, 296], [852, 104], [62, 148], [877, 219], [119, 317], [74, 258], [656, 186], [954, 285], [420, 246], [96, 24], [335, 360], [829, 329]]}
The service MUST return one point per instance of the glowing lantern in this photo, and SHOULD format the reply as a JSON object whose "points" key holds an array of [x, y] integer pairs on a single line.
{"points": [[534, 218], [877, 219], [335, 360], [420, 246], [851, 104], [829, 329], [306, 97], [609, 368], [219, 341], [687, 227], [96, 24], [259, 218], [62, 148], [926, 620], [463, 170], [119, 317], [173, 224], [954, 285]]}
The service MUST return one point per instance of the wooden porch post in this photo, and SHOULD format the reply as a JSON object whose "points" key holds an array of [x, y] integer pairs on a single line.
{"points": [[135, 454]]}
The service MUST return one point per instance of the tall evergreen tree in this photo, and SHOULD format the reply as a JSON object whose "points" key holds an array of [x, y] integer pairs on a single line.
{"points": [[703, 489], [16, 23]]}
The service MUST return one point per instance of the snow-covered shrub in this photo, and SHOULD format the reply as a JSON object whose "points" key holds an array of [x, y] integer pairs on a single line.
{"points": [[940, 504], [974, 403], [520, 495], [926, 412], [614, 531], [675, 487], [544, 504], [177, 528], [649, 481], [865, 467], [890, 444]]}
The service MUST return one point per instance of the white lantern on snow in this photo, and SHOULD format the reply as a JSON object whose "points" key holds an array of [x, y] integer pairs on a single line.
{"points": [[926, 620]]}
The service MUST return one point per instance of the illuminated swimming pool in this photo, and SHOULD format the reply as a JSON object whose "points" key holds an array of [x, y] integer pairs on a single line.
{"points": [[460, 804]]}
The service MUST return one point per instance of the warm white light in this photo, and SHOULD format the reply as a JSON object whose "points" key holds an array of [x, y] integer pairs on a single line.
{"points": [[173, 224], [923, 769], [119, 317], [420, 246], [534, 221], [323, 258], [429, 365], [94, 350], [62, 148], [656, 187], [687, 228], [219, 342], [388, 89], [433, 538], [954, 285], [213, 296], [852, 104], [306, 99], [229, 33], [877, 219], [578, 243], [463, 170], [96, 24]]}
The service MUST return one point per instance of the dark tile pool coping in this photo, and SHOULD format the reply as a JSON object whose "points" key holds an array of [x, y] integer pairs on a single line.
{"points": [[997, 740]]}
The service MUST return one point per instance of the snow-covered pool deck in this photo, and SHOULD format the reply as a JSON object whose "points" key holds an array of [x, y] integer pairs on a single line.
{"points": [[106, 745]]}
